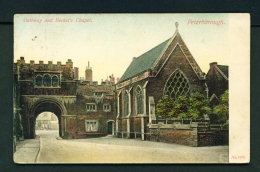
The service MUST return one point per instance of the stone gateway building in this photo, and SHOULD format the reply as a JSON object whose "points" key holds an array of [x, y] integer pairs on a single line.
{"points": [[167, 69], [84, 109]]}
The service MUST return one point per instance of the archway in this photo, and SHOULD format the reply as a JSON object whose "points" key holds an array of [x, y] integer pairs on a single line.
{"points": [[46, 105], [47, 123]]}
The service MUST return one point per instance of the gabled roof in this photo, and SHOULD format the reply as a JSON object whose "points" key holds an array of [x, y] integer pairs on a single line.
{"points": [[143, 62], [151, 58], [223, 69]]}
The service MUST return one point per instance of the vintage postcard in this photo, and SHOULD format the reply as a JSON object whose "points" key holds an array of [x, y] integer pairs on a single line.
{"points": [[131, 88]]}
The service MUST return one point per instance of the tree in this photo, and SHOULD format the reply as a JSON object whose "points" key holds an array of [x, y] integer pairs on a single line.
{"points": [[222, 109], [198, 106], [192, 107], [164, 107], [180, 107]]}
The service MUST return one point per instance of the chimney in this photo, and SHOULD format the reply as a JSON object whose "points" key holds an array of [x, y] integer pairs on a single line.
{"points": [[88, 73], [76, 73], [213, 64], [31, 62]]}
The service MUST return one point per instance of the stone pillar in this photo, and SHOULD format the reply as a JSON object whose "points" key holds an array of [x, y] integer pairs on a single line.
{"points": [[118, 112], [128, 127], [129, 114], [113, 128], [142, 127], [144, 91], [116, 127]]}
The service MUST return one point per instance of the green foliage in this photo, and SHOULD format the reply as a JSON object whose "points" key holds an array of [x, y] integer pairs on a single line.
{"points": [[222, 110], [164, 106], [192, 107]]}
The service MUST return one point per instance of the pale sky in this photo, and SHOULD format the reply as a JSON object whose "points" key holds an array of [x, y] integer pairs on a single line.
{"points": [[110, 41]]}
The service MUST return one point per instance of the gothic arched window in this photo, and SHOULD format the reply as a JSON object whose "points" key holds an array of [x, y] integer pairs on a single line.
{"points": [[176, 85], [139, 100], [126, 104], [38, 80], [47, 80], [55, 81]]}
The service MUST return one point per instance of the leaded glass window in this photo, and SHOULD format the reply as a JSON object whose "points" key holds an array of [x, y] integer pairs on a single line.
{"points": [[55, 81], [47, 80], [38, 80], [126, 104], [139, 100], [176, 85]]}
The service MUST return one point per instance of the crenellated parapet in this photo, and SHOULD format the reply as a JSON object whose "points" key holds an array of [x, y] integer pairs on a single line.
{"points": [[29, 71]]}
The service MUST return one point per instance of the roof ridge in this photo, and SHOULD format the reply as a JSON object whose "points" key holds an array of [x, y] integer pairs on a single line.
{"points": [[151, 49], [221, 72], [164, 49]]}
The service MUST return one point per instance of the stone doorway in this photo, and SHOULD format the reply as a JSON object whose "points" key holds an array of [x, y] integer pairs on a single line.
{"points": [[110, 128]]}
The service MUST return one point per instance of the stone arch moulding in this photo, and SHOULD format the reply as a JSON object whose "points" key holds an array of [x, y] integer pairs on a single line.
{"points": [[48, 100], [110, 121]]}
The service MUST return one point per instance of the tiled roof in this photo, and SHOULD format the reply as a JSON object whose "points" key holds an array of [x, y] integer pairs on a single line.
{"points": [[143, 62], [223, 69]]}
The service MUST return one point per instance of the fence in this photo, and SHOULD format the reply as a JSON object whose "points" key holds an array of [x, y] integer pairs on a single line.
{"points": [[135, 133], [181, 121]]}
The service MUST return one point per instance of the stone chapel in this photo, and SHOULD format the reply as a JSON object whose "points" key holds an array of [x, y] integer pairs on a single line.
{"points": [[169, 68]]}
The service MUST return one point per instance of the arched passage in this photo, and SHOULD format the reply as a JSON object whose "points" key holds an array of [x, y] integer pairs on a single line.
{"points": [[43, 105]]}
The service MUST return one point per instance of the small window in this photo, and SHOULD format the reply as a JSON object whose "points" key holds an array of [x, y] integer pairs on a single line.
{"points": [[98, 94], [55, 81], [91, 125], [47, 80], [107, 107], [91, 107], [38, 80]]}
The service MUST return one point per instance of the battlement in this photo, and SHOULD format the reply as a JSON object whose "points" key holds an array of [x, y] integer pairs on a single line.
{"points": [[28, 71], [95, 83], [41, 62]]}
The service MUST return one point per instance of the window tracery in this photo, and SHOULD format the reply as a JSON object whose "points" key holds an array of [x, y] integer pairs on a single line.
{"points": [[176, 85], [139, 100]]}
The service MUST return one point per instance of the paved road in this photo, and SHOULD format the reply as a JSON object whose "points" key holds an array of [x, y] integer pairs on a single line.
{"points": [[116, 150]]}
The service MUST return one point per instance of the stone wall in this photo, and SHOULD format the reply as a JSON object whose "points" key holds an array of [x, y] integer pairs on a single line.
{"points": [[183, 137], [189, 137], [213, 138]]}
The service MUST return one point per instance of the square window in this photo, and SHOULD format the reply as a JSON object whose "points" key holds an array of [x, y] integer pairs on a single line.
{"points": [[91, 125], [98, 94], [107, 107], [91, 107]]}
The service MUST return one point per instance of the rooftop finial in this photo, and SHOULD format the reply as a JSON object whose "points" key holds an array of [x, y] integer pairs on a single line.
{"points": [[176, 24]]}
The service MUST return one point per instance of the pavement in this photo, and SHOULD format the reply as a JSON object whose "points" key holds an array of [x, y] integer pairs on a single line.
{"points": [[27, 151], [50, 148]]}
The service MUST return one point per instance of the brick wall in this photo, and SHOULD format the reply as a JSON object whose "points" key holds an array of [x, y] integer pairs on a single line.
{"points": [[137, 126], [183, 137], [213, 138], [155, 86], [190, 137], [217, 84], [124, 126]]}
